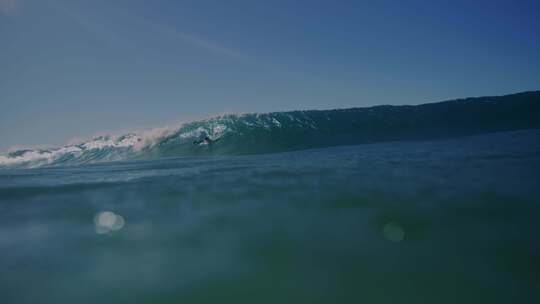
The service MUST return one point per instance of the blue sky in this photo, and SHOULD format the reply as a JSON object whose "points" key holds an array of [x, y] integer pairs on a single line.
{"points": [[74, 68]]}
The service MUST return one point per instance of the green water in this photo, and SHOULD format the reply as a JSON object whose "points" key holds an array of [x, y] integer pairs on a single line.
{"points": [[452, 221]]}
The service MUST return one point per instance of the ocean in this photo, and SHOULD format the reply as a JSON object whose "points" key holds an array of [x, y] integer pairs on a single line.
{"points": [[439, 220]]}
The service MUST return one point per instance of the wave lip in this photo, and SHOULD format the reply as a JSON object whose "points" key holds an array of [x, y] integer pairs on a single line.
{"points": [[285, 131]]}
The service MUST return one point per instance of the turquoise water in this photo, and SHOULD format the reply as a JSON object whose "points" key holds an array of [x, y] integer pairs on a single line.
{"points": [[440, 221], [241, 134]]}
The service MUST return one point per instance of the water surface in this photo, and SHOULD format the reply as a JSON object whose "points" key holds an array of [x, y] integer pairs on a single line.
{"points": [[447, 221]]}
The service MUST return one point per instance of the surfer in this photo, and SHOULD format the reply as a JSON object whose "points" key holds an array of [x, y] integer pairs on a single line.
{"points": [[205, 141]]}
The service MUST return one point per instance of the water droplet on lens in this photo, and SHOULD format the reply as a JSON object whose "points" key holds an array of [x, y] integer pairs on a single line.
{"points": [[107, 221], [392, 231], [118, 223]]}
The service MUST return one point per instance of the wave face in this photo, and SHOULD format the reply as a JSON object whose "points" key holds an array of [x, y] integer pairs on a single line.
{"points": [[285, 131]]}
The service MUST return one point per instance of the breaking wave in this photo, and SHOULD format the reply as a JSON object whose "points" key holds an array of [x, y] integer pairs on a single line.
{"points": [[285, 131]]}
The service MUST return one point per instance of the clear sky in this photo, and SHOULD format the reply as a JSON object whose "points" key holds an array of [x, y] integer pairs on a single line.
{"points": [[74, 68]]}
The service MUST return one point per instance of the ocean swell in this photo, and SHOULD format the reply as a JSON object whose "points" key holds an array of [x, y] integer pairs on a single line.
{"points": [[285, 131]]}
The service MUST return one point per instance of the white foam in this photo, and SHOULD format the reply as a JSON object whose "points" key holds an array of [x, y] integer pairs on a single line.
{"points": [[276, 122], [219, 129], [137, 141], [41, 156]]}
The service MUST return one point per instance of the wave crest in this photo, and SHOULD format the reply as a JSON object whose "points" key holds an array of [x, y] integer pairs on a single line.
{"points": [[286, 131]]}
